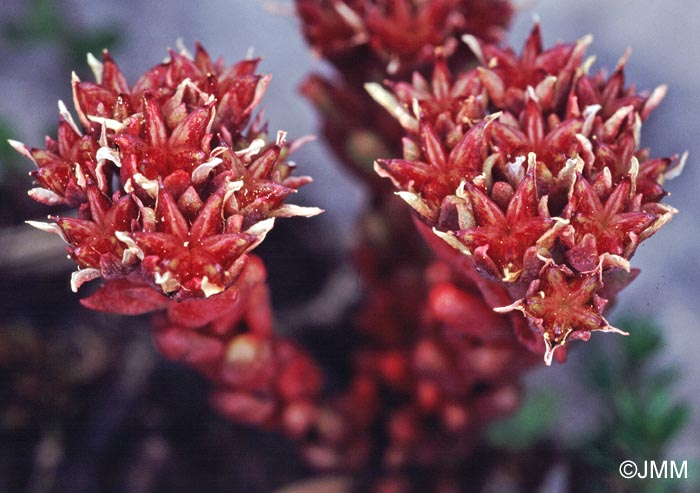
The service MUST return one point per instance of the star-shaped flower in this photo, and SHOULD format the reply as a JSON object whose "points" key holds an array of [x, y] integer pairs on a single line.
{"points": [[563, 306], [613, 227], [506, 244]]}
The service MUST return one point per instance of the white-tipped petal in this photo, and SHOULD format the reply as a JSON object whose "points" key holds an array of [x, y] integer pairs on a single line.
{"points": [[460, 190], [149, 186], [384, 174], [450, 239], [22, 148], [587, 64], [253, 149], [567, 175], [614, 330], [609, 260], [348, 15], [291, 210], [48, 228], [131, 247], [548, 351], [209, 288], [392, 105], [515, 171], [80, 176], [531, 95], [665, 213], [259, 92], [654, 100], [63, 111], [281, 138], [109, 154], [111, 124], [45, 196], [231, 188], [586, 151], [180, 45], [75, 80], [585, 40], [260, 230], [166, 282], [607, 178], [475, 46], [547, 239], [80, 277], [677, 169], [96, 66], [417, 203], [201, 172], [101, 178], [637, 130], [210, 100], [545, 87], [634, 172], [612, 124], [589, 113], [415, 106]]}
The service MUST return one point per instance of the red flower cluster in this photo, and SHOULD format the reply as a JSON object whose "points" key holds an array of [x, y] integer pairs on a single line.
{"points": [[531, 167], [375, 31], [370, 40], [172, 185], [174, 188]]}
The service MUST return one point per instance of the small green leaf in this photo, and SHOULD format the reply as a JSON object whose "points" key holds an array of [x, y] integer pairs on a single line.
{"points": [[674, 420], [524, 429], [602, 375], [642, 344]]}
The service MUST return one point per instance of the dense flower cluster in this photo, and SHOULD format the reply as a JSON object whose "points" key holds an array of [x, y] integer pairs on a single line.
{"points": [[172, 185], [376, 31], [174, 188], [370, 41], [531, 167]]}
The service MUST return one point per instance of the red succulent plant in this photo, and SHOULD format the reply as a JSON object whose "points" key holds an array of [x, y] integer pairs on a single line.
{"points": [[173, 187], [371, 40], [375, 31], [531, 168]]}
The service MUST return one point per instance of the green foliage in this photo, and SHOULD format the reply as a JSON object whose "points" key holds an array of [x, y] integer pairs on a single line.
{"points": [[45, 22], [641, 417], [6, 151], [8, 156], [527, 427]]}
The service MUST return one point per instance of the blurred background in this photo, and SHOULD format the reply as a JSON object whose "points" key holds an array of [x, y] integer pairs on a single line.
{"points": [[99, 410]]}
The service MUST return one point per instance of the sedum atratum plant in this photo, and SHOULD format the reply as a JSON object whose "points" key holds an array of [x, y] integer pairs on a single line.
{"points": [[173, 187], [175, 183], [528, 171], [524, 173]]}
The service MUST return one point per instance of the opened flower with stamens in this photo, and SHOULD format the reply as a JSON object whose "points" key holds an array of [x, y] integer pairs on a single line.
{"points": [[563, 306], [173, 187], [530, 168]]}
